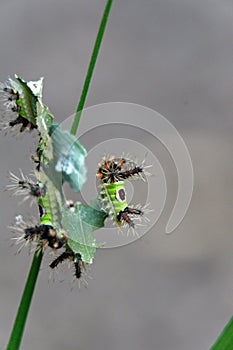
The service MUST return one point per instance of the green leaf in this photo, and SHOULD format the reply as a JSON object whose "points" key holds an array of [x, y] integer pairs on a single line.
{"points": [[68, 157], [44, 119], [87, 252], [225, 340], [91, 215], [79, 225], [97, 204], [43, 122]]}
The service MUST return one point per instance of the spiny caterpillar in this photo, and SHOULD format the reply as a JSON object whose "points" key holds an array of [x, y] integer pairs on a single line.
{"points": [[20, 100], [112, 172], [47, 232]]}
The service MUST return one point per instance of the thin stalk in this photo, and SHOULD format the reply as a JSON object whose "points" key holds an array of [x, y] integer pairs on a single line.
{"points": [[91, 67], [21, 317]]}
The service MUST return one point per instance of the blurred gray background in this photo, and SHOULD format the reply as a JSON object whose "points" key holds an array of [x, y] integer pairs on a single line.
{"points": [[162, 292]]}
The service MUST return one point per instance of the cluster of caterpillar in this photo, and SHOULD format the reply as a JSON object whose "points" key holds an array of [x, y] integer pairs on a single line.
{"points": [[21, 105], [21, 108]]}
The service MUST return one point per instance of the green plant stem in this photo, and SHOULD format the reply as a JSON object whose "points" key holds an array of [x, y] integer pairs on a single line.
{"points": [[91, 67], [225, 339], [21, 317]]}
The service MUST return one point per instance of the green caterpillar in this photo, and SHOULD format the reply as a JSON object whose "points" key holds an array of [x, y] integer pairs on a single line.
{"points": [[111, 173]]}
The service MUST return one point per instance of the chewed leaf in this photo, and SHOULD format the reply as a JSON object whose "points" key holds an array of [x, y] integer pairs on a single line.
{"points": [[68, 157], [44, 121], [79, 225], [36, 87], [93, 216], [86, 252]]}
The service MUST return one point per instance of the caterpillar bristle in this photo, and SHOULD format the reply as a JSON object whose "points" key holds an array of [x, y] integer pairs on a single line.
{"points": [[23, 185]]}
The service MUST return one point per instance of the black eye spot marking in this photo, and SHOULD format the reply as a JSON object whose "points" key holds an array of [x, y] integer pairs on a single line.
{"points": [[120, 195]]}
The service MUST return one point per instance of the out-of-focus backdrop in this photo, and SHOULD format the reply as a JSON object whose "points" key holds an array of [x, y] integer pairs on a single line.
{"points": [[162, 292]]}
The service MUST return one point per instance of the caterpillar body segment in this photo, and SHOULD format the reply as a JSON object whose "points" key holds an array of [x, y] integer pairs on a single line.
{"points": [[76, 259], [114, 198]]}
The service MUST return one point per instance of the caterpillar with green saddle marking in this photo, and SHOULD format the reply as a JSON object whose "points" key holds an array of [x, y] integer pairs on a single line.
{"points": [[48, 231], [112, 172]]}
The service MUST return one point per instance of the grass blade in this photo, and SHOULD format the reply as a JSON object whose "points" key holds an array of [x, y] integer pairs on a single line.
{"points": [[225, 339], [91, 67]]}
